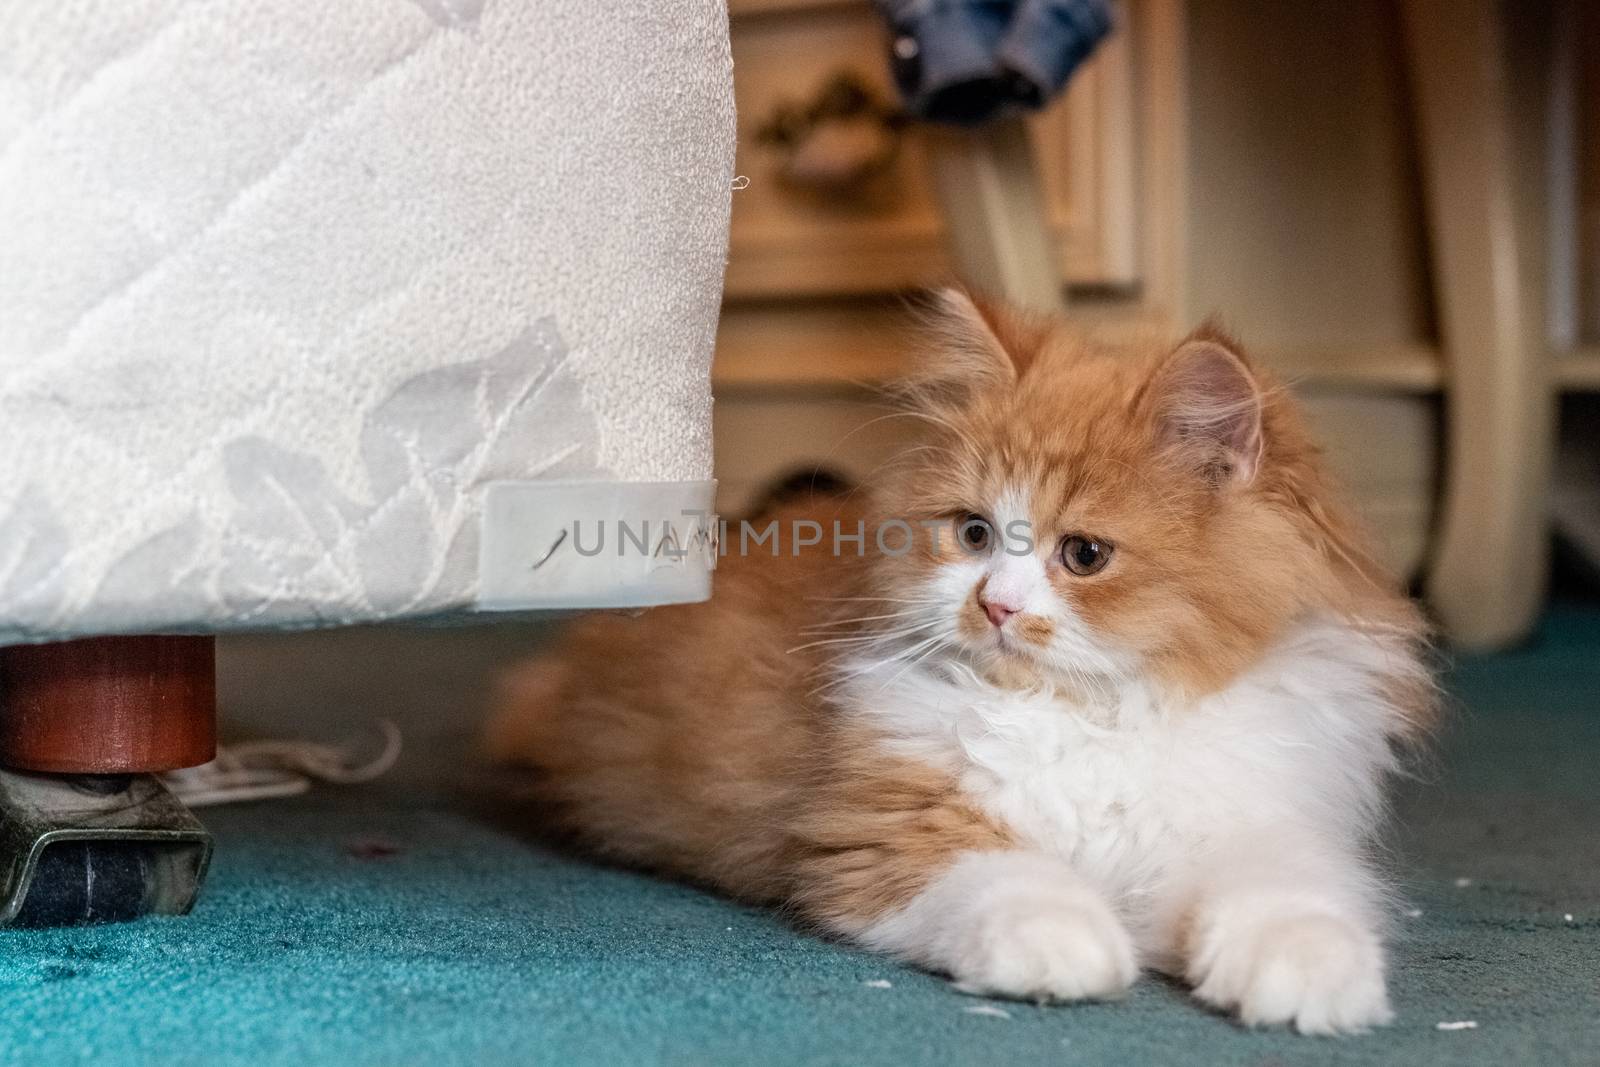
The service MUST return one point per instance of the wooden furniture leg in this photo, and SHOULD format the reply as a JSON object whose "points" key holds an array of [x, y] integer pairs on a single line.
{"points": [[993, 204], [87, 832], [109, 705], [1479, 153]]}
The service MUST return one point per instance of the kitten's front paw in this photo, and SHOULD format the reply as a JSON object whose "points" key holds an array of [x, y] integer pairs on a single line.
{"points": [[1039, 948], [1012, 924], [1320, 973]]}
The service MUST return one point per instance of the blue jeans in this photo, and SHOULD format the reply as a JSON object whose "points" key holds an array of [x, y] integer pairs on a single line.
{"points": [[966, 61]]}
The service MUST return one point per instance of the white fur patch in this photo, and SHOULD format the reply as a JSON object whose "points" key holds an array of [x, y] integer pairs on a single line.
{"points": [[1266, 791], [1012, 924], [1277, 962]]}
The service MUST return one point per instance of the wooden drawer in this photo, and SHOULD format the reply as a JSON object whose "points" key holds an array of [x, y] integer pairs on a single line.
{"points": [[886, 234]]}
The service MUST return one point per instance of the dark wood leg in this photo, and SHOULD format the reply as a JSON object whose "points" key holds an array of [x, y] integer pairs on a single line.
{"points": [[109, 705], [88, 833]]}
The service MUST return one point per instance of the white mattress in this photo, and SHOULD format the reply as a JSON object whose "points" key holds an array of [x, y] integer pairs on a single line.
{"points": [[284, 287]]}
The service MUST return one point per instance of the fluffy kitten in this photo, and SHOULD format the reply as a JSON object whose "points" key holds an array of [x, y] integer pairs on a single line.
{"points": [[1158, 736]]}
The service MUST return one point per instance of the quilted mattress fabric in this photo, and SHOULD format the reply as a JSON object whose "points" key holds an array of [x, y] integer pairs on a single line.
{"points": [[284, 286]]}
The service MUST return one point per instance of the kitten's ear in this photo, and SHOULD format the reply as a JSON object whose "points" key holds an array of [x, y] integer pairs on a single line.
{"points": [[1208, 406], [972, 345]]}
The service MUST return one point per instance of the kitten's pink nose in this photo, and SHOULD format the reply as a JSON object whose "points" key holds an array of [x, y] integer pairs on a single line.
{"points": [[998, 613]]}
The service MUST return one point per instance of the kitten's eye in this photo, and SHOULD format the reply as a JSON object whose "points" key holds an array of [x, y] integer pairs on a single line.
{"points": [[972, 530], [1084, 555]]}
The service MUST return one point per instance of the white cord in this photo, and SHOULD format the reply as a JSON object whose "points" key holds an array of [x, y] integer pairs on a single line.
{"points": [[263, 770]]}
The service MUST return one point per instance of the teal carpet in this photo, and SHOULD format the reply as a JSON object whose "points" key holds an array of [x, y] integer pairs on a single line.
{"points": [[403, 923]]}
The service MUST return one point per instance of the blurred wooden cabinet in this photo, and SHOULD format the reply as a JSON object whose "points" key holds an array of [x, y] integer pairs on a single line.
{"points": [[815, 273], [803, 235], [812, 319]]}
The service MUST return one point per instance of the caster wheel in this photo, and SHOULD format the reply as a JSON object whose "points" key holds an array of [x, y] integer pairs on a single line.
{"points": [[78, 849]]}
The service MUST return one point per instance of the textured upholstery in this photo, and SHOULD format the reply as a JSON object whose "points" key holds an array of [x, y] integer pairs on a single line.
{"points": [[284, 286]]}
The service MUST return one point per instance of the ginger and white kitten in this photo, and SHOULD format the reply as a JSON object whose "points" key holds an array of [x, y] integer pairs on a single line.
{"points": [[1158, 737]]}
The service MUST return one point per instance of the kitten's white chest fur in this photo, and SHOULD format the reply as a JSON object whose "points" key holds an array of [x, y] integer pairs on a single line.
{"points": [[1136, 793], [1222, 840]]}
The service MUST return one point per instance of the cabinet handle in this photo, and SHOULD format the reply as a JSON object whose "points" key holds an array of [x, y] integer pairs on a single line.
{"points": [[838, 142]]}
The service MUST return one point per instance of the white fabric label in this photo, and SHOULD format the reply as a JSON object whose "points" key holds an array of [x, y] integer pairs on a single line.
{"points": [[595, 544]]}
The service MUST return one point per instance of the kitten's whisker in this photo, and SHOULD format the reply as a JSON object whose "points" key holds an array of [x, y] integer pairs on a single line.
{"points": [[877, 663], [937, 420], [904, 458], [937, 641], [865, 642], [869, 638], [885, 599], [861, 618]]}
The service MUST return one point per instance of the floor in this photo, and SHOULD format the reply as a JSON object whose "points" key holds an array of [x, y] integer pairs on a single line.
{"points": [[409, 922]]}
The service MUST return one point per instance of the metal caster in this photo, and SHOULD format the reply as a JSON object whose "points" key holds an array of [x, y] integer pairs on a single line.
{"points": [[79, 849], [87, 832]]}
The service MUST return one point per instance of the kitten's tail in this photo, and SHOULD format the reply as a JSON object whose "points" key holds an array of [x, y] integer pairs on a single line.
{"points": [[524, 712]]}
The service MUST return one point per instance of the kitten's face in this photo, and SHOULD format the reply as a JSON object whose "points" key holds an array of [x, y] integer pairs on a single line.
{"points": [[1103, 517]]}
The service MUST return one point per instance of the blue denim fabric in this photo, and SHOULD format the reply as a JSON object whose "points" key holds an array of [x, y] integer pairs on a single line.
{"points": [[967, 61]]}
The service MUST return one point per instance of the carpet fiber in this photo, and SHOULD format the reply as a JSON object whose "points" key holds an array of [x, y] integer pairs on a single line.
{"points": [[405, 922]]}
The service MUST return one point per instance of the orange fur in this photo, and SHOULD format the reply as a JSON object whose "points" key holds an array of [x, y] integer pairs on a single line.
{"points": [[701, 740]]}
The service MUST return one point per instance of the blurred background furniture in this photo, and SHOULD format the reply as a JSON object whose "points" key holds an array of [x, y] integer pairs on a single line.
{"points": [[1362, 190], [1481, 97], [1276, 174], [311, 317]]}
